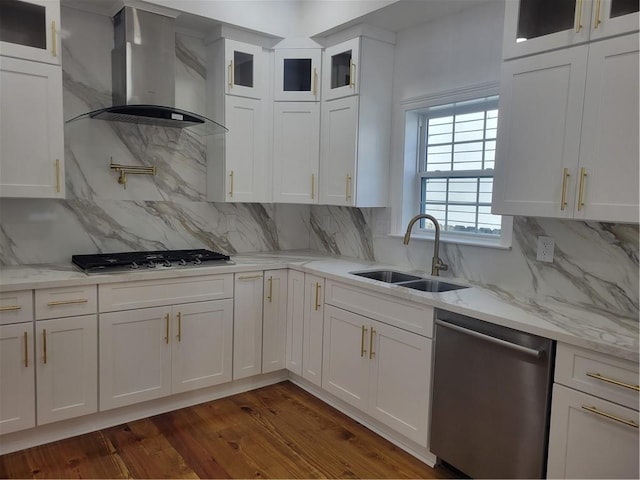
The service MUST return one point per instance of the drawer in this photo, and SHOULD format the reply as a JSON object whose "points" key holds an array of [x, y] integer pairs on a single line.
{"points": [[16, 307], [66, 301], [168, 291], [601, 375], [398, 312]]}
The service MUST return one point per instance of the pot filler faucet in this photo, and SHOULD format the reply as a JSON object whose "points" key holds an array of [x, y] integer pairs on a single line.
{"points": [[436, 263]]}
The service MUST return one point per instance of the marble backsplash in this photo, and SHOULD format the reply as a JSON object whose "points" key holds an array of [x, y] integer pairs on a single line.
{"points": [[595, 264]]}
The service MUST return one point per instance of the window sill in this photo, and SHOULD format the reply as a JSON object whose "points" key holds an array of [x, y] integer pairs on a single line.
{"points": [[475, 242]]}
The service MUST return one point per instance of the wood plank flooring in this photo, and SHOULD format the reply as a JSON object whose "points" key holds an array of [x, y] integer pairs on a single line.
{"points": [[279, 431]]}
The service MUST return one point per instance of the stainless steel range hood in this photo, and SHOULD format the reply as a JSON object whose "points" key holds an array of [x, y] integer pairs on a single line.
{"points": [[143, 75]]}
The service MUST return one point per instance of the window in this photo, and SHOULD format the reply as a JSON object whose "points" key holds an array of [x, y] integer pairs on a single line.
{"points": [[456, 153]]}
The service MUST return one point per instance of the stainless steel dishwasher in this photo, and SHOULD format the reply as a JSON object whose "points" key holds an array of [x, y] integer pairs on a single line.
{"points": [[491, 398]]}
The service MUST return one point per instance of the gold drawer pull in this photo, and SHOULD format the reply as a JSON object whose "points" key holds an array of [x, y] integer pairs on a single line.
{"points": [[315, 83], [583, 174], [67, 302], [270, 296], [249, 277], [579, 17], [597, 20], [166, 329], [44, 346], [230, 75], [317, 306], [352, 74], [602, 378], [363, 352], [9, 308], [231, 184], [565, 177], [371, 352], [54, 39], [591, 409], [26, 350], [179, 327]]}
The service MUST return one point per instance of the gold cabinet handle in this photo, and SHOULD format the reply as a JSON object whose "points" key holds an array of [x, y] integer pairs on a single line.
{"points": [[67, 302], [602, 378], [591, 409], [596, 20], [317, 306], [230, 74], [315, 83], [231, 183], [270, 296], [26, 349], [57, 175], [54, 39], [44, 346], [583, 174], [179, 327], [352, 74], [363, 352], [249, 277], [313, 186], [10, 307], [166, 329], [565, 178], [371, 352], [579, 17], [348, 187]]}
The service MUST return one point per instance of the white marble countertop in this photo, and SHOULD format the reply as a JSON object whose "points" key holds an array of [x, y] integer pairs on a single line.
{"points": [[606, 332]]}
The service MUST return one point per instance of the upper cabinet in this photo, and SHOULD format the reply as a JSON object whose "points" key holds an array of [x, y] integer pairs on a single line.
{"points": [[533, 26], [29, 29], [297, 74], [341, 70], [243, 72]]}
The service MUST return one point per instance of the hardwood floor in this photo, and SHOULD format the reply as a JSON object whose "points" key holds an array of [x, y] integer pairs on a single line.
{"points": [[279, 431]]}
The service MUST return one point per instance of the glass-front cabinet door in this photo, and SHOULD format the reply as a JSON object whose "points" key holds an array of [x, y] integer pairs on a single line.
{"points": [[340, 70], [29, 29], [243, 75], [297, 74], [614, 17]]}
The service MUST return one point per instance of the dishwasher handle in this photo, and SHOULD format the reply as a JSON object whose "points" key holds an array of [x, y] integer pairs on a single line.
{"points": [[529, 351]]}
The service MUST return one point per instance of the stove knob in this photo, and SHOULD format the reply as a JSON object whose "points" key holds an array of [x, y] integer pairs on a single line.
{"points": [[134, 266], [182, 262], [151, 265], [197, 261], [167, 263]]}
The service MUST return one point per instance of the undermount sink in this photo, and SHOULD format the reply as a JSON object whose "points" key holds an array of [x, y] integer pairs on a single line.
{"points": [[410, 281], [388, 276], [431, 285]]}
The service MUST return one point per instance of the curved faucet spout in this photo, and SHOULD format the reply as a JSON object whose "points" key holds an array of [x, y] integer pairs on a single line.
{"points": [[436, 263]]}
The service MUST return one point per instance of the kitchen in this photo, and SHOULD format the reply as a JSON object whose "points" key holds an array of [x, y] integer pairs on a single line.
{"points": [[595, 264]]}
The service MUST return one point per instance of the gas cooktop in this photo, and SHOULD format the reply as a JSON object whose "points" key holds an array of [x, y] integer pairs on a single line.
{"points": [[135, 261]]}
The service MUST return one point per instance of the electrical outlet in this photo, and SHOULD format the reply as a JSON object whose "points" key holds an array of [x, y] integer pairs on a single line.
{"points": [[545, 249]]}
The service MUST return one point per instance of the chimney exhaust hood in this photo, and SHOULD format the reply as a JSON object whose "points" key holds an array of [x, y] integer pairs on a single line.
{"points": [[143, 75]]}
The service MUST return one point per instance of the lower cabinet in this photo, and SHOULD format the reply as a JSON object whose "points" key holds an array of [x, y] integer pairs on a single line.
{"points": [[18, 392], [66, 367], [379, 369], [153, 352], [274, 320]]}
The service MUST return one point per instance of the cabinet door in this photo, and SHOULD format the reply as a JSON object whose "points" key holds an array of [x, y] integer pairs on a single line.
{"points": [[201, 348], [338, 151], [247, 325], [297, 75], [532, 26], [243, 75], [245, 151], [614, 17], [135, 356], [341, 70], [18, 389], [313, 329], [31, 135], [345, 358], [295, 321], [608, 176], [590, 437], [67, 367], [539, 134], [296, 151], [400, 380], [274, 321], [30, 29]]}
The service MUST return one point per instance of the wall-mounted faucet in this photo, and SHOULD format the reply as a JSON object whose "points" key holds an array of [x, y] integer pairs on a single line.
{"points": [[436, 263]]}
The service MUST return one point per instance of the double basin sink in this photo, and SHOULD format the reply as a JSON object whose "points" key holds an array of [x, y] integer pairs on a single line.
{"points": [[410, 281]]}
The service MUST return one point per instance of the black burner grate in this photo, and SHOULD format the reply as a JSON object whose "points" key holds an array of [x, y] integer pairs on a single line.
{"points": [[106, 261]]}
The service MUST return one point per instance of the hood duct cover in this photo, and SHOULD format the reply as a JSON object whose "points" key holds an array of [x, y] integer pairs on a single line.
{"points": [[143, 75]]}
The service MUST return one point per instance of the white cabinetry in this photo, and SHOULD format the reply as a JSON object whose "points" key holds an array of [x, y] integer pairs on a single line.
{"points": [[566, 141], [312, 331], [295, 320], [274, 321], [30, 29], [594, 416], [31, 134], [355, 123], [239, 161], [247, 325], [532, 26], [297, 75], [147, 353]]}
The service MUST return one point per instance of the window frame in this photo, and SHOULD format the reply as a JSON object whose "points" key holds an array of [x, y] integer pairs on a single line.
{"points": [[413, 110]]}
